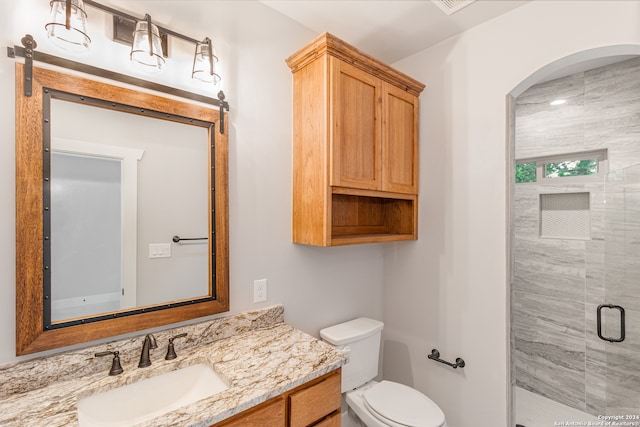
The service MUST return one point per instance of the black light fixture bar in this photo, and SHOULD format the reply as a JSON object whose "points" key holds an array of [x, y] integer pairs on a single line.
{"points": [[67, 24], [116, 12], [123, 29], [46, 58]]}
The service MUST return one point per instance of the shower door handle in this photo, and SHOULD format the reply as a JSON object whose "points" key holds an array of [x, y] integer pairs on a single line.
{"points": [[616, 307]]}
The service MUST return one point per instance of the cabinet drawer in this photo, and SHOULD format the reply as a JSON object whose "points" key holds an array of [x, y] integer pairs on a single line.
{"points": [[332, 420], [315, 402], [269, 414]]}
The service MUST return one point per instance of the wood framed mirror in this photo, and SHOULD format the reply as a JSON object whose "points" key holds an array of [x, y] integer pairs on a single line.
{"points": [[39, 326]]}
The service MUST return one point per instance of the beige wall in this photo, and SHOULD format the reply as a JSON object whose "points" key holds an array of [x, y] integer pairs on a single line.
{"points": [[318, 286], [448, 290]]}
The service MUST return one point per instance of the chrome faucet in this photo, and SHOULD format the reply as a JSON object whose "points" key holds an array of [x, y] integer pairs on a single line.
{"points": [[148, 344]]}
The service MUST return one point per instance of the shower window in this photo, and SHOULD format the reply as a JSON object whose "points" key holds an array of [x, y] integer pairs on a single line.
{"points": [[563, 167], [526, 172], [571, 168]]}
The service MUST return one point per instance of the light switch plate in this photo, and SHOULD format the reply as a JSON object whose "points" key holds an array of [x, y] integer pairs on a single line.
{"points": [[159, 250]]}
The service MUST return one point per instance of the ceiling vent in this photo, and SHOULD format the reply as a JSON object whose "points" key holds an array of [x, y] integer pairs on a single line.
{"points": [[452, 6]]}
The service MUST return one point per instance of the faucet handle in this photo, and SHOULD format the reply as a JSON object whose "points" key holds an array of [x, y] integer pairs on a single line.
{"points": [[116, 368], [171, 352]]}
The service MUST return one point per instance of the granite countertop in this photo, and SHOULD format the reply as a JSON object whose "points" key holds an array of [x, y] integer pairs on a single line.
{"points": [[259, 364]]}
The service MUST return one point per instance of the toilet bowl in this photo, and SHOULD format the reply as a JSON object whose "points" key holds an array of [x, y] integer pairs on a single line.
{"points": [[377, 404], [384, 404]]}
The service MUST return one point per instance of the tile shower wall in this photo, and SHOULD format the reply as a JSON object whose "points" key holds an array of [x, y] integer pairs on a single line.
{"points": [[558, 283]]}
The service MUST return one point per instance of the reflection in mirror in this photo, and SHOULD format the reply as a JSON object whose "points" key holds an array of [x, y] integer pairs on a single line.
{"points": [[86, 235], [106, 176], [122, 186]]}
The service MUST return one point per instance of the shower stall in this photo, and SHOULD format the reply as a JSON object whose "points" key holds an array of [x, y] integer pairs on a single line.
{"points": [[575, 263]]}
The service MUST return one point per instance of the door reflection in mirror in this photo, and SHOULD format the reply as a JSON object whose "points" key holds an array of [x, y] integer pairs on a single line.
{"points": [[86, 214]]}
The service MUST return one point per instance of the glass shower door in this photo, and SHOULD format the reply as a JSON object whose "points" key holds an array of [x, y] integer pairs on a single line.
{"points": [[618, 316]]}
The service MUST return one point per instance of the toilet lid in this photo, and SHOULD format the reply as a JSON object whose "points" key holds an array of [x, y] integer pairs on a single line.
{"points": [[403, 405]]}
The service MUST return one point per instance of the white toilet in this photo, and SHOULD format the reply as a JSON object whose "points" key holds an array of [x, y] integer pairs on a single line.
{"points": [[377, 404]]}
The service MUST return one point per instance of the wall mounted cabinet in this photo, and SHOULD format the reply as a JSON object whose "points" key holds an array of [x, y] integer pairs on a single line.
{"points": [[355, 150]]}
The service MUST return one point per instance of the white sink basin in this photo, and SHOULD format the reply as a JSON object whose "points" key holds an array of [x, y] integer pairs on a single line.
{"points": [[151, 397]]}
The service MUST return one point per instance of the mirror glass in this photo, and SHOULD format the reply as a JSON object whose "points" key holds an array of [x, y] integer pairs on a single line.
{"points": [[121, 187]]}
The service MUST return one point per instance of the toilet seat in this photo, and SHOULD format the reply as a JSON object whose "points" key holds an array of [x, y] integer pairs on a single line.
{"points": [[398, 405]]}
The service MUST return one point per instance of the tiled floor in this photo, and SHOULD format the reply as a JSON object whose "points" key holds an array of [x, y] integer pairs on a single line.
{"points": [[533, 410]]}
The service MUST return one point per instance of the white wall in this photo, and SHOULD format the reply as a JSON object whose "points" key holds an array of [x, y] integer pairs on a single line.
{"points": [[318, 286], [448, 290]]}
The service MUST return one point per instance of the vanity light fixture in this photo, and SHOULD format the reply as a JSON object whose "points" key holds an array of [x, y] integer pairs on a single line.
{"points": [[204, 63], [146, 49], [67, 27]]}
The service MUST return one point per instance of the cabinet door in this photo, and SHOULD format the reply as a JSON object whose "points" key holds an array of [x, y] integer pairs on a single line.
{"points": [[269, 414], [400, 141], [355, 134]]}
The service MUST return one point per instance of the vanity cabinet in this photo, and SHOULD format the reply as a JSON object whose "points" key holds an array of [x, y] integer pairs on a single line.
{"points": [[316, 403], [355, 150]]}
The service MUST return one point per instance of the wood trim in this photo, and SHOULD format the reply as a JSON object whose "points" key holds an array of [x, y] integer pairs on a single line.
{"points": [[370, 238], [373, 193], [329, 44], [30, 335], [28, 218], [310, 195]]}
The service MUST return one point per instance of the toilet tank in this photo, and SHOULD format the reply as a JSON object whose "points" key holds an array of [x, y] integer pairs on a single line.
{"points": [[361, 337]]}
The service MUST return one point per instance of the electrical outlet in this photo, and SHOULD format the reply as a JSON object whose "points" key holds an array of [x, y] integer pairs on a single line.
{"points": [[259, 290]]}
